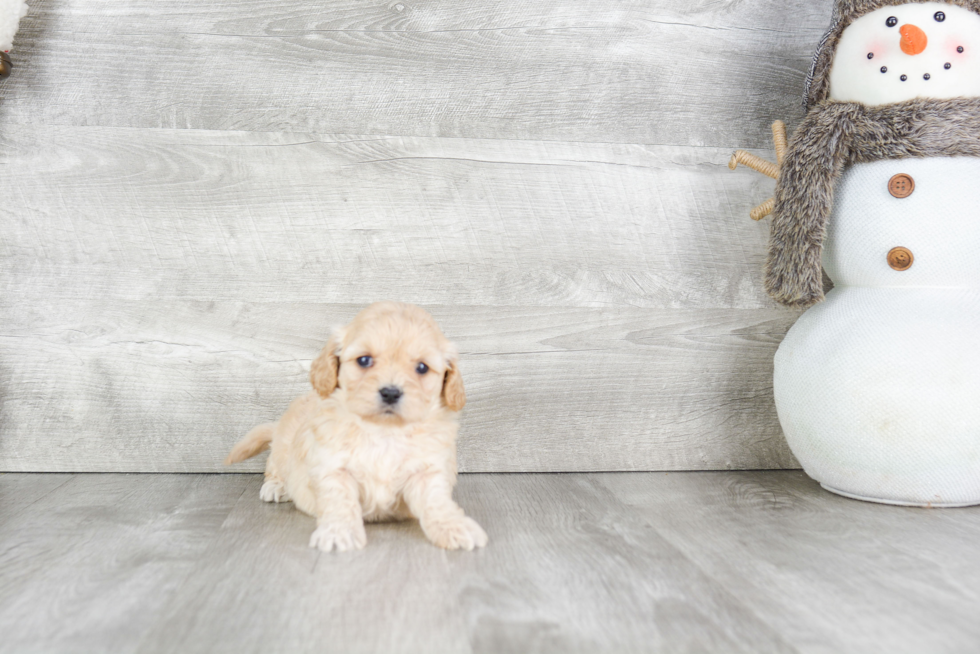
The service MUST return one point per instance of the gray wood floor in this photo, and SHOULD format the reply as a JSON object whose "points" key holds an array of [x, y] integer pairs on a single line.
{"points": [[628, 562]]}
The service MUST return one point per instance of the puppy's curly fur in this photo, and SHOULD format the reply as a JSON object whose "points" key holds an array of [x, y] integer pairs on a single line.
{"points": [[835, 135], [376, 440]]}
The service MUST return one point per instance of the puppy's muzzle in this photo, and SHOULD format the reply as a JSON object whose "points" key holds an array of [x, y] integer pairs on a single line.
{"points": [[390, 395]]}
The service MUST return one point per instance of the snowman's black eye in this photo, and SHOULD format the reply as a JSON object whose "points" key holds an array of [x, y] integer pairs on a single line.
{"points": [[891, 22], [927, 77], [960, 49], [940, 16], [884, 69], [871, 55], [948, 66]]}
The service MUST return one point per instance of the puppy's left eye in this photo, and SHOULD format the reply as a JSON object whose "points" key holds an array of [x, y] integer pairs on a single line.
{"points": [[421, 368], [365, 361]]}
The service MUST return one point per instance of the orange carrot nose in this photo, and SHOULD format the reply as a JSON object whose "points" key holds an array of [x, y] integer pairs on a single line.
{"points": [[914, 40]]}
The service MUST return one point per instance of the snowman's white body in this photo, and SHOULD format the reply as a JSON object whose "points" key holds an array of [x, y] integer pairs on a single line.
{"points": [[878, 387], [11, 11]]}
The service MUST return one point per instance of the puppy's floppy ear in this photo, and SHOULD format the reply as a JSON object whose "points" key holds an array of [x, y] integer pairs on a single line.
{"points": [[326, 366], [453, 393]]}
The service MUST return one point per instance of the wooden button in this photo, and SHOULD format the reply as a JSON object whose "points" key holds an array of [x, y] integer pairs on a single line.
{"points": [[900, 259], [901, 185]]}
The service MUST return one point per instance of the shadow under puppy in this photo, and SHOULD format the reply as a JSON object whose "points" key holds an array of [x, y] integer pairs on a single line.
{"points": [[376, 440]]}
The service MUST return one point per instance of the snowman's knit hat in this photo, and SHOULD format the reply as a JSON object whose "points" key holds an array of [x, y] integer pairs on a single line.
{"points": [[845, 13]]}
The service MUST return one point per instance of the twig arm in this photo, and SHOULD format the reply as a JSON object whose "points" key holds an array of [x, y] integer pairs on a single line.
{"points": [[755, 163], [763, 209], [766, 168], [779, 139]]}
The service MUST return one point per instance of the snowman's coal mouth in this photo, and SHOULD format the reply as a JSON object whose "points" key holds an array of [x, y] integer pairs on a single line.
{"points": [[926, 76]]}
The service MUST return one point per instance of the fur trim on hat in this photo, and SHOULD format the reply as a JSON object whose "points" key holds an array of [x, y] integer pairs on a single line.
{"points": [[831, 137], [845, 13]]}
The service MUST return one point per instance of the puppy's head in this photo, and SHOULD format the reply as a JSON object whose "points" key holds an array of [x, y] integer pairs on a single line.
{"points": [[393, 363]]}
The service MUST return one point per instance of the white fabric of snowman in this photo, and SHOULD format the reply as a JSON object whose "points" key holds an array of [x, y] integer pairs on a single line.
{"points": [[11, 11], [878, 386]]}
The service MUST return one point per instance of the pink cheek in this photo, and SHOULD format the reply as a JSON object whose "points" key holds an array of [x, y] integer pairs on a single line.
{"points": [[878, 48], [952, 47]]}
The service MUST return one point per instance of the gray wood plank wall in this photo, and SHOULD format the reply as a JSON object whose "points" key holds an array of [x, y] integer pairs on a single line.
{"points": [[192, 194]]}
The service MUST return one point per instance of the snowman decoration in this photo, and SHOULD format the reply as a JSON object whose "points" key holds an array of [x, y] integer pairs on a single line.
{"points": [[11, 11], [877, 385]]}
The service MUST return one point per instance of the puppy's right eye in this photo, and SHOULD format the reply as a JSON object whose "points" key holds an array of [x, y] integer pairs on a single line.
{"points": [[365, 361]]}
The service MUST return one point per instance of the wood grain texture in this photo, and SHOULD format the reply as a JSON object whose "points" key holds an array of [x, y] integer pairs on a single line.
{"points": [[87, 567], [642, 562], [18, 493], [171, 386], [145, 214], [161, 289], [828, 573], [567, 570], [193, 193], [675, 72]]}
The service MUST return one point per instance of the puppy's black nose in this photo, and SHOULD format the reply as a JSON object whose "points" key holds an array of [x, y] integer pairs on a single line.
{"points": [[390, 394]]}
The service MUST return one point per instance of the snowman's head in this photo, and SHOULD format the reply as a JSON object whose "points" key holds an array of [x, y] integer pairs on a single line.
{"points": [[885, 51], [893, 54]]}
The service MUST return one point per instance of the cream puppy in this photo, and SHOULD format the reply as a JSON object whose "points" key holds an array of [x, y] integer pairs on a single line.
{"points": [[376, 440]]}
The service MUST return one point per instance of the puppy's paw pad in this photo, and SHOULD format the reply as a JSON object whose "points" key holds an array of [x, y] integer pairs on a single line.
{"points": [[273, 490], [461, 534], [339, 537]]}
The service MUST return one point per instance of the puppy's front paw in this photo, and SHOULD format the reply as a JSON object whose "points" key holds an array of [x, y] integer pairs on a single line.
{"points": [[340, 537], [273, 490], [457, 534]]}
